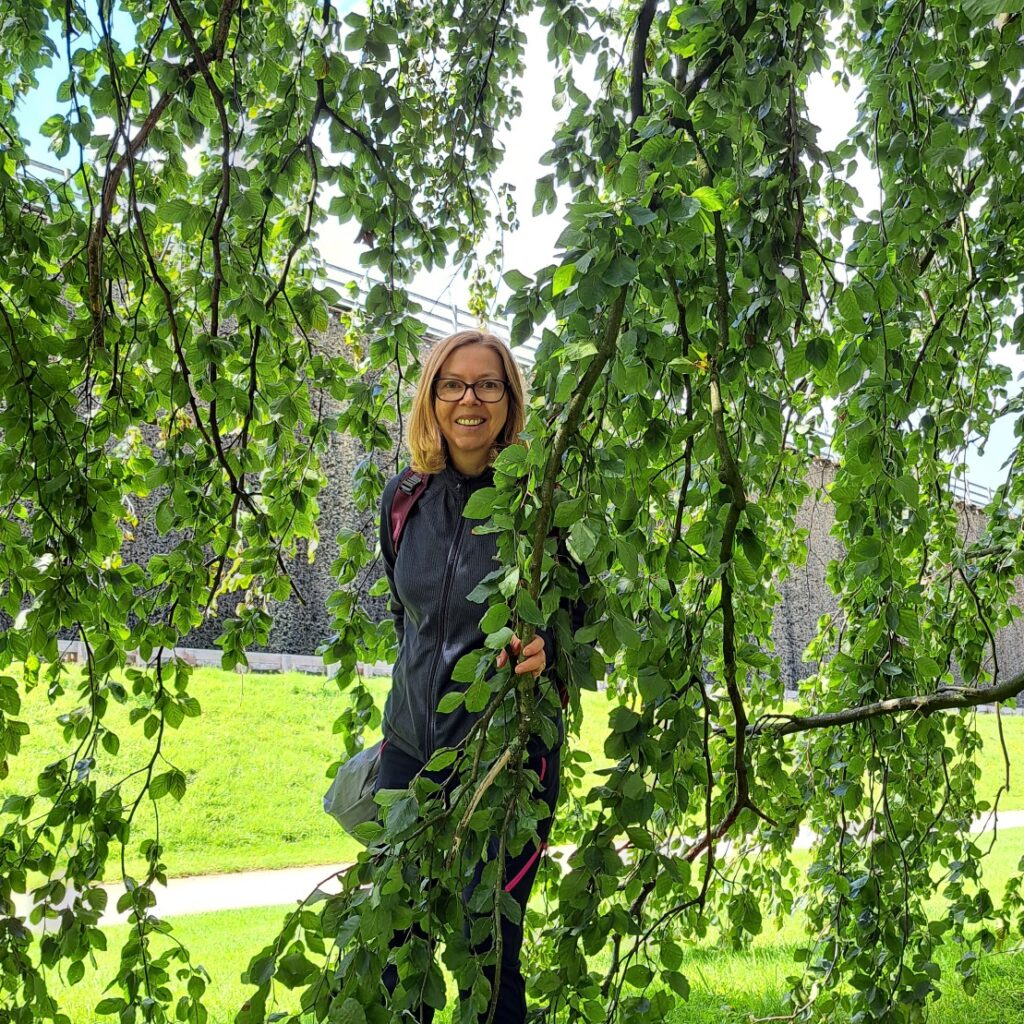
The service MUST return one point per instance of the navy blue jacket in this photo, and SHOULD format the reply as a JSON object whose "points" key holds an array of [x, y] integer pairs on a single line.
{"points": [[439, 562]]}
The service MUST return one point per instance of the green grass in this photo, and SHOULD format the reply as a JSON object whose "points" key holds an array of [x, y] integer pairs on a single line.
{"points": [[256, 760], [256, 764], [726, 986]]}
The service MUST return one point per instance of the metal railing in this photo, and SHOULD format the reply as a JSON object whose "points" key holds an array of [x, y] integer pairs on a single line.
{"points": [[440, 318]]}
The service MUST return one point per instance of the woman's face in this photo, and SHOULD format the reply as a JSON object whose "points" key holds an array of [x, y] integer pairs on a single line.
{"points": [[471, 426]]}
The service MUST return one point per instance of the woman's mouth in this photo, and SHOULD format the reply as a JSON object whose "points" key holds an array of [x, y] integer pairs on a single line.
{"points": [[469, 421]]}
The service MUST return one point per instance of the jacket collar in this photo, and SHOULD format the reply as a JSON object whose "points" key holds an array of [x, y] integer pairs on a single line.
{"points": [[451, 478]]}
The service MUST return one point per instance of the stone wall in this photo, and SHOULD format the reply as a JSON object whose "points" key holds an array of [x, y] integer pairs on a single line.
{"points": [[806, 597], [298, 629]]}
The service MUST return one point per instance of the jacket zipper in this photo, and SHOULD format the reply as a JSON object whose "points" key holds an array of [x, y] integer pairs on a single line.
{"points": [[449, 572]]}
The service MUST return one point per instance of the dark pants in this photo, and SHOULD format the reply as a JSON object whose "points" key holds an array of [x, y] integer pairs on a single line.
{"points": [[396, 772]]}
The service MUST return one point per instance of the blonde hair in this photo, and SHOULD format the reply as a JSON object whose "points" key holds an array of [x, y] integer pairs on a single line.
{"points": [[426, 442]]}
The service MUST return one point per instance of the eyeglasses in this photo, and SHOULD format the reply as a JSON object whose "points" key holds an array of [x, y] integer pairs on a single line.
{"points": [[451, 389]]}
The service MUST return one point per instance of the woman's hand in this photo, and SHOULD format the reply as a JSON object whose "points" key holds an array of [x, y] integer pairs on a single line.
{"points": [[531, 657]]}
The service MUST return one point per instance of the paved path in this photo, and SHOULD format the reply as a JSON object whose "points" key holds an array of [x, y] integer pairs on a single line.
{"points": [[204, 893]]}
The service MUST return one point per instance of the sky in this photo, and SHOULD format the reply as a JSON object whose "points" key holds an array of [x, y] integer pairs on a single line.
{"points": [[532, 246]]}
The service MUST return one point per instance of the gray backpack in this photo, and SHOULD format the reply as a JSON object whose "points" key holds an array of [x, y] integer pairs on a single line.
{"points": [[350, 799]]}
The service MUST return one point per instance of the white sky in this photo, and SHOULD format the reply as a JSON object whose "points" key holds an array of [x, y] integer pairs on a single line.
{"points": [[533, 245]]}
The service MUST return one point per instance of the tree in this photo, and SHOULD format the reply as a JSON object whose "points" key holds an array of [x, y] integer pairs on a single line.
{"points": [[718, 287]]}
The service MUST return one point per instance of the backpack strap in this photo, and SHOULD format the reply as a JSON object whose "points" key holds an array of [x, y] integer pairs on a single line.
{"points": [[410, 487]]}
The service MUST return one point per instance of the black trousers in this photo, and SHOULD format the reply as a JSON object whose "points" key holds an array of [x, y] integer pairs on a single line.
{"points": [[397, 770]]}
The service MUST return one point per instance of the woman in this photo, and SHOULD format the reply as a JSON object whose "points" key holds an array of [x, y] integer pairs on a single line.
{"points": [[469, 405]]}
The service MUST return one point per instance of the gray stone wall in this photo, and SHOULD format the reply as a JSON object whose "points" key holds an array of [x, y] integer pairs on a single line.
{"points": [[806, 597], [300, 627]]}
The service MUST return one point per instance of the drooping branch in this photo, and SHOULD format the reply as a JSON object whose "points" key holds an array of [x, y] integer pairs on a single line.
{"points": [[568, 430], [639, 63], [946, 699], [606, 349], [94, 246], [720, 56]]}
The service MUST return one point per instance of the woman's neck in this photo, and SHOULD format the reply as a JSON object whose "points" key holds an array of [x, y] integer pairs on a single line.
{"points": [[474, 468]]}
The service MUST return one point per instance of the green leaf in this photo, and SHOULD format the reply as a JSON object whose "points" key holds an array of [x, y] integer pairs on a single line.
{"points": [[907, 488], [628, 172], [563, 278], [466, 667], [401, 815], [620, 272], [848, 305], [671, 955], [177, 784], [496, 641], [477, 696], [516, 280], [818, 352], [708, 198], [527, 609], [623, 719], [164, 516], [512, 460], [174, 211], [887, 293], [639, 975], [583, 538], [451, 701], [495, 617], [752, 547], [442, 759], [481, 503], [568, 512], [641, 215], [347, 1011], [294, 970], [985, 10], [678, 983]]}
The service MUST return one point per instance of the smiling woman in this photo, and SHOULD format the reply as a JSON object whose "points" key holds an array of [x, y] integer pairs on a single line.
{"points": [[470, 404], [468, 408]]}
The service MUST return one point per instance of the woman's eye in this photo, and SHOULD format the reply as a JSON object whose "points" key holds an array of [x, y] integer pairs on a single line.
{"points": [[489, 386]]}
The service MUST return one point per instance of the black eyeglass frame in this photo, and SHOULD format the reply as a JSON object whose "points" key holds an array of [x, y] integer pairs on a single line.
{"points": [[466, 387]]}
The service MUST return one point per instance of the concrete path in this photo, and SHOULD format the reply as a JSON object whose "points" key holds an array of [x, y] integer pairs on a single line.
{"points": [[205, 893]]}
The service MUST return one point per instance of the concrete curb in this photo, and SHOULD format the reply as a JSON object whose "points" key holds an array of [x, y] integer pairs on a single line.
{"points": [[259, 661]]}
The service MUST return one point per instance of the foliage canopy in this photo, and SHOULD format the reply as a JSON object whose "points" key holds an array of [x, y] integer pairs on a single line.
{"points": [[718, 287]]}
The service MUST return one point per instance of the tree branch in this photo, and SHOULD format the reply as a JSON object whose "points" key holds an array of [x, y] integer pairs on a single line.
{"points": [[946, 699], [567, 430], [639, 62], [94, 247], [713, 63]]}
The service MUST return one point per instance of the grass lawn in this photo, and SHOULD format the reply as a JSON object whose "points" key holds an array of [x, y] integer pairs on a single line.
{"points": [[727, 986], [256, 760], [256, 764]]}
